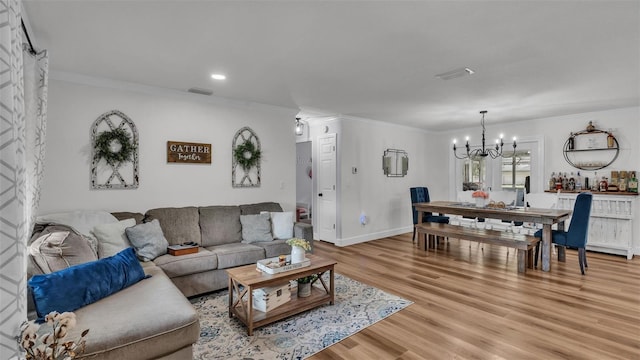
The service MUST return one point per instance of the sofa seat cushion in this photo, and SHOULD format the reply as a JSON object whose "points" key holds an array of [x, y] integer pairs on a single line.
{"points": [[274, 248], [232, 255], [145, 321], [179, 225], [173, 266], [220, 225]]}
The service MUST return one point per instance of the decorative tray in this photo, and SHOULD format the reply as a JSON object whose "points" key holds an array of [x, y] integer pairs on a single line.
{"points": [[266, 265]]}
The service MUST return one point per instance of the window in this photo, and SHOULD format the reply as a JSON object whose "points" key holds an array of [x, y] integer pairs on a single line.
{"points": [[473, 174], [515, 170]]}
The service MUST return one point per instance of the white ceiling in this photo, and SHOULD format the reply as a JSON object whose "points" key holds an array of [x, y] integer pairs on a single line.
{"points": [[370, 59]]}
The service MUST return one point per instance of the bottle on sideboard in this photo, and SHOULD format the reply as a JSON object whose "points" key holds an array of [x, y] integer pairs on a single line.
{"points": [[596, 182], [603, 184], [552, 181], [633, 183], [571, 183], [622, 182], [578, 181]]}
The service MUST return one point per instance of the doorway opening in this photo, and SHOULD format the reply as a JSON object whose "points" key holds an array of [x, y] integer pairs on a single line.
{"points": [[304, 182]]}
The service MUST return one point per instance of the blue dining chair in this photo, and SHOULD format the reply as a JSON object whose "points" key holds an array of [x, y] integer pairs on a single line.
{"points": [[576, 236], [418, 195]]}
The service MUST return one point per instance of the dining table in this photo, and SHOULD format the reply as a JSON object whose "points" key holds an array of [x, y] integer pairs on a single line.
{"points": [[546, 217]]}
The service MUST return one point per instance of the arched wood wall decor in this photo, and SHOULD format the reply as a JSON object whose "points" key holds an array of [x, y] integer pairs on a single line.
{"points": [[108, 170], [245, 173]]}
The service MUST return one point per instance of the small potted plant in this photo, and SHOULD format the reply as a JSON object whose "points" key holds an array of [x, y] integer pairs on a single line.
{"points": [[304, 285], [298, 248]]}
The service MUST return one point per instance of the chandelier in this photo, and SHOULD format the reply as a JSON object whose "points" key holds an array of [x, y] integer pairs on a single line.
{"points": [[483, 151]]}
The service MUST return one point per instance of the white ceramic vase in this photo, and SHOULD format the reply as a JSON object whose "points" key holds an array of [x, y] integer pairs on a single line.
{"points": [[480, 202], [297, 254]]}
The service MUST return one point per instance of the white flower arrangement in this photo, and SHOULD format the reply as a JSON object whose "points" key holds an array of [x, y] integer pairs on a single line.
{"points": [[51, 346], [299, 242]]}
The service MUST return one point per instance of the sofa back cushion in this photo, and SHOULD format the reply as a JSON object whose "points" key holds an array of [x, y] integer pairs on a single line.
{"points": [[254, 209], [220, 225], [124, 215], [179, 225]]}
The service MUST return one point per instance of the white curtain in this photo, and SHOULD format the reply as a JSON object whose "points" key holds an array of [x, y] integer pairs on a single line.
{"points": [[22, 126]]}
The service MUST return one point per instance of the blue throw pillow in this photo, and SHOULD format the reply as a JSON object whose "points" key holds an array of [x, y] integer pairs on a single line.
{"points": [[79, 285]]}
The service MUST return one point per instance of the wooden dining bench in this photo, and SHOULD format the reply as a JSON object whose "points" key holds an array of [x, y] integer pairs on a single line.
{"points": [[523, 243]]}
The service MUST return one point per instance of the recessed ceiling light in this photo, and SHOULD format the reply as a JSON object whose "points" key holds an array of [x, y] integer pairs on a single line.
{"points": [[218, 76], [455, 73]]}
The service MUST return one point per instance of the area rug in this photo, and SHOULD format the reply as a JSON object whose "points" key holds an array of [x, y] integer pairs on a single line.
{"points": [[357, 306]]}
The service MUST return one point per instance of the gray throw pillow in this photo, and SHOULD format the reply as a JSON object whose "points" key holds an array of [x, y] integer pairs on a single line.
{"points": [[256, 228], [148, 240], [56, 250]]}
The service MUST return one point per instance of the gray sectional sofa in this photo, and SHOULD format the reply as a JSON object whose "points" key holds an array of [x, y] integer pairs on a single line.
{"points": [[153, 319], [219, 232]]}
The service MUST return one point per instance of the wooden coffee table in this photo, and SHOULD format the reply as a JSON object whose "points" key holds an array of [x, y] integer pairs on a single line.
{"points": [[241, 300]]}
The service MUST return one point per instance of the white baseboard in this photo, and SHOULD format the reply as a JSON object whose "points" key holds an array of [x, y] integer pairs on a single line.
{"points": [[373, 236]]}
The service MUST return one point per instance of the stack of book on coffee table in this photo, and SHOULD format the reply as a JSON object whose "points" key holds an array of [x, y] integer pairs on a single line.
{"points": [[269, 298]]}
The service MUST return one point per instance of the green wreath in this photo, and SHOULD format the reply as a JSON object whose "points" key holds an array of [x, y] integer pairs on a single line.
{"points": [[103, 146], [247, 155]]}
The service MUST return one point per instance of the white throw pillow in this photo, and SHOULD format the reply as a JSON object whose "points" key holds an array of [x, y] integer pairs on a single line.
{"points": [[282, 225], [112, 237]]}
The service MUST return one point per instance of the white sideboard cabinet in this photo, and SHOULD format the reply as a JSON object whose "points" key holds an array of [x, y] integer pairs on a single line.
{"points": [[611, 224]]}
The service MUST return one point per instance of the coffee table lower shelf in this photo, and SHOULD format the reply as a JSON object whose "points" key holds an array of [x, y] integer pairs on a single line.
{"points": [[294, 306], [242, 282]]}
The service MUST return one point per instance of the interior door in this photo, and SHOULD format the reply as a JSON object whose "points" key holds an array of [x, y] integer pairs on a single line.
{"points": [[326, 199]]}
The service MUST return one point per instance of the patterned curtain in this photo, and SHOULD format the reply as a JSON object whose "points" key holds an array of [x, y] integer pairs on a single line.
{"points": [[21, 159], [36, 81]]}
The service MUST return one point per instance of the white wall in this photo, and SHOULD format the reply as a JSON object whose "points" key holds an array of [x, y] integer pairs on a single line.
{"points": [[384, 200], [623, 122], [162, 115]]}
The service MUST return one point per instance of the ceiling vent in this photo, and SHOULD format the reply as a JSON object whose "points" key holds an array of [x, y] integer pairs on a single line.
{"points": [[200, 91], [455, 73]]}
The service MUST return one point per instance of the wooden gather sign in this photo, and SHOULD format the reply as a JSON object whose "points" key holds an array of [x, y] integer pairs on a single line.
{"points": [[184, 152]]}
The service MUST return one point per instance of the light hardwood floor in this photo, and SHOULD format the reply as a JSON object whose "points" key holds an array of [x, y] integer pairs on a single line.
{"points": [[471, 303]]}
